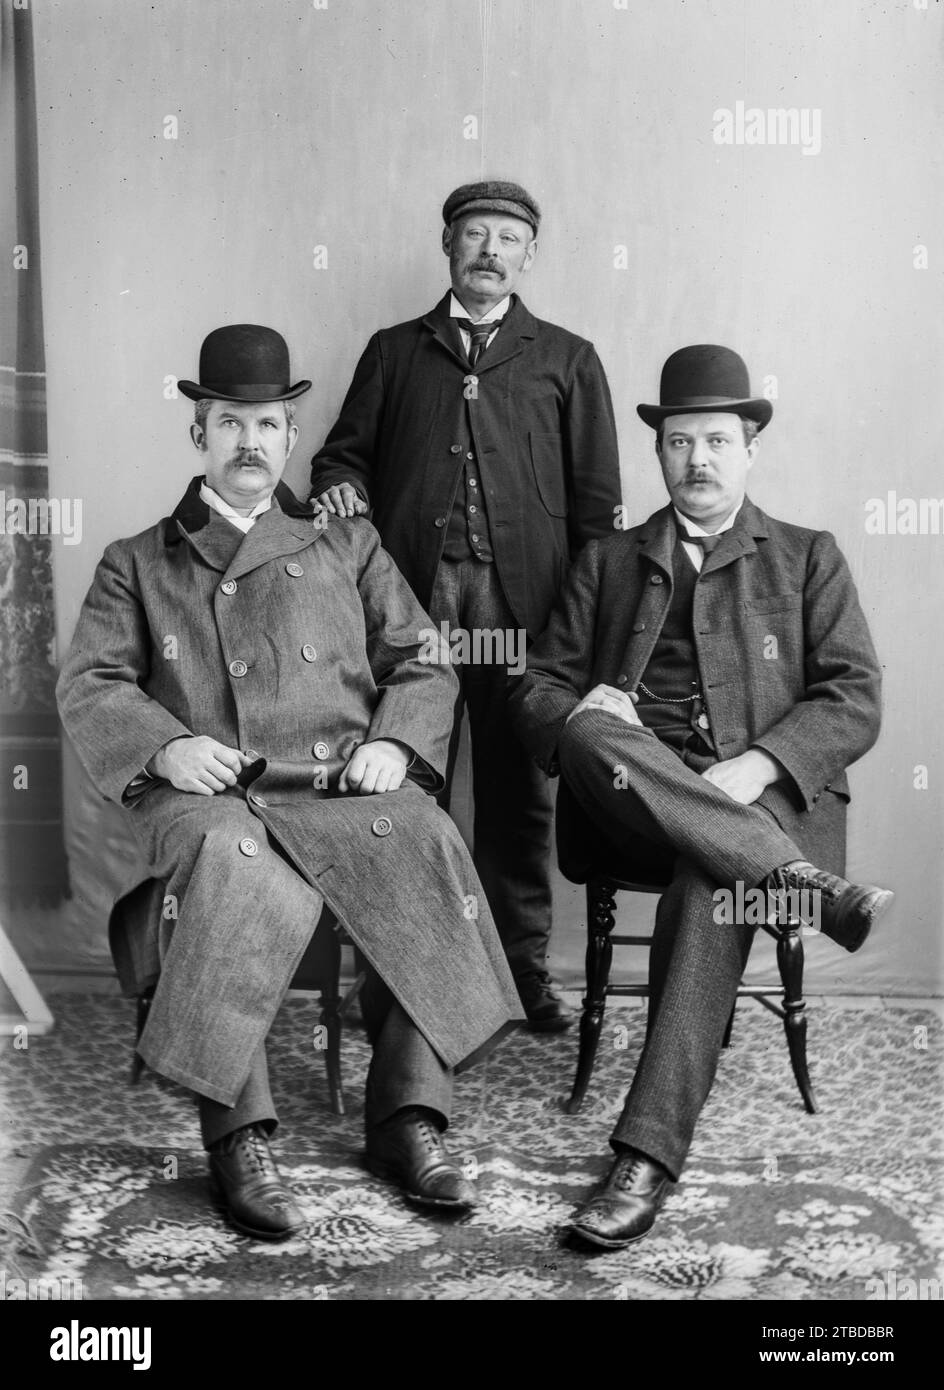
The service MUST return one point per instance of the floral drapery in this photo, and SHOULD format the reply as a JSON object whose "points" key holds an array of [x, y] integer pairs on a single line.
{"points": [[32, 857]]}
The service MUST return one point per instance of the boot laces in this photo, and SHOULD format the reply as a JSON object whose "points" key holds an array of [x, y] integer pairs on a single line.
{"points": [[256, 1149], [429, 1134], [797, 877], [629, 1167]]}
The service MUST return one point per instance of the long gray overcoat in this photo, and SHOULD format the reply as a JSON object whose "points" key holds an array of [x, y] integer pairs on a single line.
{"points": [[294, 643]]}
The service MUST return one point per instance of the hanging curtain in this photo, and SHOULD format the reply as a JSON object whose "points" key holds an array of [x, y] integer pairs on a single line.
{"points": [[32, 855]]}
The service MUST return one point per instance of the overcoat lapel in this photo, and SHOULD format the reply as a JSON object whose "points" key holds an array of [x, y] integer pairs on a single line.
{"points": [[288, 526]]}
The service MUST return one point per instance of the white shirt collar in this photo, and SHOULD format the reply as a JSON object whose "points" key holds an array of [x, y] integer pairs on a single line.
{"points": [[693, 529], [244, 523], [459, 311]]}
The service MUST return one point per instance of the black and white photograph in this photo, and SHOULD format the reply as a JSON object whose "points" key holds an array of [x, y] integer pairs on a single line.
{"points": [[471, 524]]}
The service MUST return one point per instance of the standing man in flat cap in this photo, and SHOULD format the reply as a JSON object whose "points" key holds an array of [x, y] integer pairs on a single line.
{"points": [[483, 439], [704, 683], [244, 680]]}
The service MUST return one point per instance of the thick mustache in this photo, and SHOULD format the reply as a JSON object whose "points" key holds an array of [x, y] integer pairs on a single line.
{"points": [[242, 457], [486, 265]]}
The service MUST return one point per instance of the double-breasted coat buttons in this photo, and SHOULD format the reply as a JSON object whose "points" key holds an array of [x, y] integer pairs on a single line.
{"points": [[382, 826], [248, 847], [321, 751], [229, 586], [294, 569], [257, 800], [238, 668], [308, 652]]}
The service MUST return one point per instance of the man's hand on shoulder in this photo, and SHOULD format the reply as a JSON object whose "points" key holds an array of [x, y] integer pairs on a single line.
{"points": [[745, 777], [199, 765], [379, 766], [342, 500]]}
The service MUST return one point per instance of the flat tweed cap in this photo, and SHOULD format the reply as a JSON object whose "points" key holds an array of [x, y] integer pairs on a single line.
{"points": [[493, 195]]}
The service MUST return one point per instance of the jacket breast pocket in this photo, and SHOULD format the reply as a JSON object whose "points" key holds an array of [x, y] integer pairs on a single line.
{"points": [[547, 464]]}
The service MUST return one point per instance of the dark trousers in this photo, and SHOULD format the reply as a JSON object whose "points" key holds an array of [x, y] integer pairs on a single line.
{"points": [[404, 1071], [513, 803], [695, 964]]}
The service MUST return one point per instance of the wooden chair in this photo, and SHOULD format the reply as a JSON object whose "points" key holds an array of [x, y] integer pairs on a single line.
{"points": [[319, 969], [585, 857]]}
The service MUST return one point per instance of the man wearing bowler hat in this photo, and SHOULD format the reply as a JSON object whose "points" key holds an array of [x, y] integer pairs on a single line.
{"points": [[701, 688], [483, 439], [244, 679]]}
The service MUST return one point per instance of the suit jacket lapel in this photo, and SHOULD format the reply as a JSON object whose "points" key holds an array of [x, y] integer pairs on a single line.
{"points": [[740, 540], [518, 328], [657, 539], [445, 332]]}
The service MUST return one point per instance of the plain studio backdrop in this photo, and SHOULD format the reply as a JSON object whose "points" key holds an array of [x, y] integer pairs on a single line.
{"points": [[284, 162]]}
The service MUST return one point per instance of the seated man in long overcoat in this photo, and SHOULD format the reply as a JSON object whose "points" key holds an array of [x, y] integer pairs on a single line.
{"points": [[247, 680]]}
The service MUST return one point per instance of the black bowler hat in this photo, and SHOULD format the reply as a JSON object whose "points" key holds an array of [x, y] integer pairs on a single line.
{"points": [[705, 378], [244, 362]]}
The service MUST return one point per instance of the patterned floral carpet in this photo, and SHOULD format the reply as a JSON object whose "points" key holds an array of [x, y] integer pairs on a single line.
{"points": [[774, 1204]]}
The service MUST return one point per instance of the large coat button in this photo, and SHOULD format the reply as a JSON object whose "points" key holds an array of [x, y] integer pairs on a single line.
{"points": [[382, 826], [294, 570], [440, 521], [621, 680], [639, 627], [655, 579], [257, 800], [248, 847], [238, 668], [321, 751], [455, 448], [228, 586], [308, 652]]}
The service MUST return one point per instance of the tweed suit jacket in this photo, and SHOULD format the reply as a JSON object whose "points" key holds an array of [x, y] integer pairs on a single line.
{"points": [[786, 660], [545, 442], [295, 643]]}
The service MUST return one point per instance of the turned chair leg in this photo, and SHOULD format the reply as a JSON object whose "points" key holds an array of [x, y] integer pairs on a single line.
{"points": [[332, 1008], [601, 908], [331, 1021], [790, 962], [143, 1009]]}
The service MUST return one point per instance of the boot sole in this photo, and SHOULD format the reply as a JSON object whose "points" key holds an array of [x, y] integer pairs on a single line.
{"points": [[548, 1025], [606, 1242], [234, 1221], [864, 909], [389, 1174]]}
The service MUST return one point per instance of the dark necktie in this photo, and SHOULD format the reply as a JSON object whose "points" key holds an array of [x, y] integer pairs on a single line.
{"points": [[705, 543], [479, 333]]}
